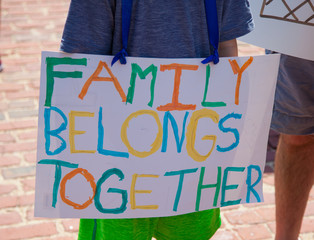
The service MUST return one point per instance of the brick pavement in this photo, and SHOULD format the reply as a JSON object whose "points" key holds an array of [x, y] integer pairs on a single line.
{"points": [[28, 27]]}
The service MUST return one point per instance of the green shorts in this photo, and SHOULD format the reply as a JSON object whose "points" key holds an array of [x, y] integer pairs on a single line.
{"points": [[193, 226]]}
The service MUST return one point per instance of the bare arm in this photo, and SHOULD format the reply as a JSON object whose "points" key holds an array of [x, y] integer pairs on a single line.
{"points": [[228, 48]]}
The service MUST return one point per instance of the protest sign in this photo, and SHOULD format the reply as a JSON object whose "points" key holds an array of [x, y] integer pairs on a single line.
{"points": [[154, 137], [284, 26]]}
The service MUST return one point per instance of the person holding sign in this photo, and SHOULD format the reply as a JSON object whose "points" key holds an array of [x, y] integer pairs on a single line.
{"points": [[160, 29], [293, 118]]}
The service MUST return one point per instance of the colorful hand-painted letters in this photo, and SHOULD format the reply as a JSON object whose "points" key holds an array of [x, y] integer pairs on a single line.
{"points": [[154, 137]]}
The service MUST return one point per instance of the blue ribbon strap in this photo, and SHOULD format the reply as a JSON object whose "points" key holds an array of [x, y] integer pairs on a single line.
{"points": [[213, 30], [212, 58], [126, 11], [212, 26], [120, 56]]}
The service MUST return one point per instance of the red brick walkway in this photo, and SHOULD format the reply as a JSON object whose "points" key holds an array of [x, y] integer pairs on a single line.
{"points": [[28, 27]]}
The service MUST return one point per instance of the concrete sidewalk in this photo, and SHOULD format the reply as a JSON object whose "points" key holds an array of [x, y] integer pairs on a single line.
{"points": [[29, 27]]}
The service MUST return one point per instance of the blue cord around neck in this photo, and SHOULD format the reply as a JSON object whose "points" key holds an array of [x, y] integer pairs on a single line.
{"points": [[212, 26], [126, 11], [213, 30]]}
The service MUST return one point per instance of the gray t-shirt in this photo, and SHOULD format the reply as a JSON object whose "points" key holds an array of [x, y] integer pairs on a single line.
{"points": [[161, 29]]}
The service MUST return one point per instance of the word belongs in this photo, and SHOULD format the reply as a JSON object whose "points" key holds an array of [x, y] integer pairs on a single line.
{"points": [[161, 139]]}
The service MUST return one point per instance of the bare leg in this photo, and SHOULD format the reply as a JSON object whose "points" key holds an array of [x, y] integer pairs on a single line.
{"points": [[294, 177]]}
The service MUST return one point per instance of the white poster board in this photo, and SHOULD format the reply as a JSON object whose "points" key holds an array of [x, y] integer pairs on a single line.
{"points": [[154, 137], [284, 26]]}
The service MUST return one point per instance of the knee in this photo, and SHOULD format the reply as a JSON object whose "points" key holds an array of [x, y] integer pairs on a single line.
{"points": [[297, 140]]}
